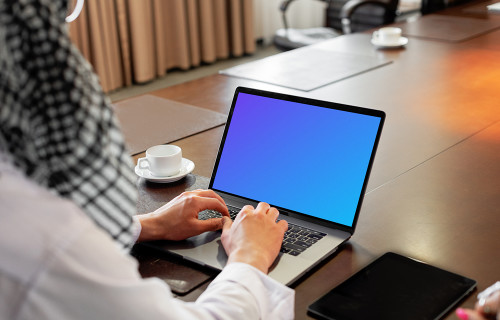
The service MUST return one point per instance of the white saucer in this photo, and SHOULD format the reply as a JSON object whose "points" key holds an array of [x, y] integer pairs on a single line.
{"points": [[402, 41], [187, 167]]}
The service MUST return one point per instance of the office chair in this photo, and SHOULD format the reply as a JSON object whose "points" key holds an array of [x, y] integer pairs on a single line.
{"points": [[342, 17]]}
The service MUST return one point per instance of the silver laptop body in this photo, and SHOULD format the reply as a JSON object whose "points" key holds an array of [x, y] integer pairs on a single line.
{"points": [[318, 154]]}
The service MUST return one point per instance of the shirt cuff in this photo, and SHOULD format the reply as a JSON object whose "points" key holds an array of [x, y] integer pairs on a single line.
{"points": [[275, 300], [136, 229]]}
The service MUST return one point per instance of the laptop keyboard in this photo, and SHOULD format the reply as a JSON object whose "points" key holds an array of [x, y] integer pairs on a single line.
{"points": [[296, 240], [209, 214]]}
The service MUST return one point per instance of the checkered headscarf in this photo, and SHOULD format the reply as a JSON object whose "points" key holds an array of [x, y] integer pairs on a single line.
{"points": [[56, 124]]}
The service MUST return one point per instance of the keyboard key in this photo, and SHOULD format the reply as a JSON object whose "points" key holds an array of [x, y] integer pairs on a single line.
{"points": [[302, 244], [294, 247], [315, 236]]}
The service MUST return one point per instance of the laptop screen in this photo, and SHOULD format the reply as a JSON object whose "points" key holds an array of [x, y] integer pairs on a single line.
{"points": [[306, 156]]}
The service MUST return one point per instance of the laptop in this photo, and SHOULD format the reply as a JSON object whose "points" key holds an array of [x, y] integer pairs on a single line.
{"points": [[308, 158]]}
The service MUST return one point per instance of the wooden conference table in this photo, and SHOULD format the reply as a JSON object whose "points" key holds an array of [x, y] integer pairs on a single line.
{"points": [[434, 192]]}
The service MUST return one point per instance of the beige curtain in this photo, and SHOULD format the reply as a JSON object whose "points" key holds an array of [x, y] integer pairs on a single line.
{"points": [[130, 41]]}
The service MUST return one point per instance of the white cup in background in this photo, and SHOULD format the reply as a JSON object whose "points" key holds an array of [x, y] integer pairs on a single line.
{"points": [[387, 35], [162, 160]]}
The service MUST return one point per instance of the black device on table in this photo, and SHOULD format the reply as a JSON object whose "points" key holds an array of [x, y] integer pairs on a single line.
{"points": [[394, 287]]}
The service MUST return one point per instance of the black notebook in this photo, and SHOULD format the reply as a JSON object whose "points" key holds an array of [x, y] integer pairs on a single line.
{"points": [[394, 287]]}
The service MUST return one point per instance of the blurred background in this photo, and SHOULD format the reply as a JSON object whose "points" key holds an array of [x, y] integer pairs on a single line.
{"points": [[137, 46]]}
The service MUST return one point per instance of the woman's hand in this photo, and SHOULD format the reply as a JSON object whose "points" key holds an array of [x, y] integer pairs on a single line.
{"points": [[178, 219], [254, 237]]}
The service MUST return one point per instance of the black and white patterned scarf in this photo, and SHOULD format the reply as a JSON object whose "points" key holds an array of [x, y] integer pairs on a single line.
{"points": [[56, 124]]}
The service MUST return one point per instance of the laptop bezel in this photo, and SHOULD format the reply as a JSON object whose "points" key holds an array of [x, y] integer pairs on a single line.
{"points": [[320, 103]]}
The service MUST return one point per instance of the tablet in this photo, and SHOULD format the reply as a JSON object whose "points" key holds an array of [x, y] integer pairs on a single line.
{"points": [[394, 287]]}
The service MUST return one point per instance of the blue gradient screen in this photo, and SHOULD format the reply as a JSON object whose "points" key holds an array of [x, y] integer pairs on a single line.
{"points": [[305, 158]]}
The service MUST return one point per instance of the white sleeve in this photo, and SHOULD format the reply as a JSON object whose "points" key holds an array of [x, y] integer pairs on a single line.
{"points": [[93, 279], [136, 228], [248, 294]]}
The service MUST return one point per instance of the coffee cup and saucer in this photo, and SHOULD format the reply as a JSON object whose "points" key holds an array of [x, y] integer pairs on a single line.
{"points": [[388, 38], [163, 164]]}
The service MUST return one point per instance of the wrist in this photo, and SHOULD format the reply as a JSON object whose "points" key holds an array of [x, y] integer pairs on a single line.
{"points": [[149, 228], [251, 257]]}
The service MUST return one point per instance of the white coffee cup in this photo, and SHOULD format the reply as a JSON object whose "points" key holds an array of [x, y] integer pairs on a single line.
{"points": [[387, 35], [162, 160]]}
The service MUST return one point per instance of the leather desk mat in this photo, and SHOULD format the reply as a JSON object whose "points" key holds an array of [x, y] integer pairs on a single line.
{"points": [[306, 68], [182, 276], [179, 275], [448, 28], [149, 120]]}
